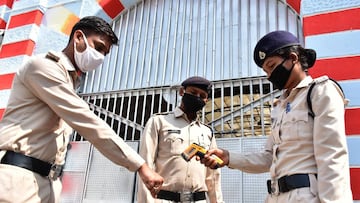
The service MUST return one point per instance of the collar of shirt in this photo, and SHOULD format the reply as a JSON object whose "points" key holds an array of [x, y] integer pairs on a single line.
{"points": [[305, 82], [180, 113], [289, 98]]}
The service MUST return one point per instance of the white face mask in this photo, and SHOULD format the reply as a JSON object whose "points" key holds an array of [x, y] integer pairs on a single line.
{"points": [[89, 59]]}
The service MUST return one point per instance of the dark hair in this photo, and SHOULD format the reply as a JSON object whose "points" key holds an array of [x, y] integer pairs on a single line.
{"points": [[94, 25], [307, 57]]}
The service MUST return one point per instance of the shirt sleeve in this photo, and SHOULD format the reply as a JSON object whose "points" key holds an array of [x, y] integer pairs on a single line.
{"points": [[257, 162], [51, 83], [330, 147], [148, 150], [213, 181]]}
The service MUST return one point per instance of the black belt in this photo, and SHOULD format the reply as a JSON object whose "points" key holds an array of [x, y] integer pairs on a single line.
{"points": [[36, 165], [287, 183], [181, 197]]}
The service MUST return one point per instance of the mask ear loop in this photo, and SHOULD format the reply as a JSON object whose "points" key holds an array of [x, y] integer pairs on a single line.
{"points": [[277, 66], [85, 40]]}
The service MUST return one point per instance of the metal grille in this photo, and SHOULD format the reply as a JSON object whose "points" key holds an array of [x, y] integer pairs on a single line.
{"points": [[107, 181], [237, 186], [75, 171], [236, 108]]}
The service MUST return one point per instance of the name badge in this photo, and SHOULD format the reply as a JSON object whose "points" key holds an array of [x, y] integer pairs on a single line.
{"points": [[174, 131]]}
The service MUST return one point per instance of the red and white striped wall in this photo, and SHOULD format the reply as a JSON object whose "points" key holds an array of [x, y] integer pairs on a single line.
{"points": [[332, 28], [18, 43], [5, 6]]}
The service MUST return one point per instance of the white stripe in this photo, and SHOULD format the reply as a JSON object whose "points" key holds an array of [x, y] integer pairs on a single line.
{"points": [[21, 33], [337, 44], [20, 7], [4, 97], [349, 86], [311, 7], [12, 64], [353, 143], [92, 8], [55, 40], [4, 14]]}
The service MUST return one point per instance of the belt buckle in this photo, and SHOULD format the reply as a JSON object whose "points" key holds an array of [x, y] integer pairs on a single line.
{"points": [[55, 171], [186, 197], [275, 188]]}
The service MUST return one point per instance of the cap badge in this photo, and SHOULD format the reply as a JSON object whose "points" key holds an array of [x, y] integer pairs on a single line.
{"points": [[262, 55]]}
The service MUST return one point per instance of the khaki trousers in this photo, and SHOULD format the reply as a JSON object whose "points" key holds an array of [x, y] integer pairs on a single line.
{"points": [[18, 185]]}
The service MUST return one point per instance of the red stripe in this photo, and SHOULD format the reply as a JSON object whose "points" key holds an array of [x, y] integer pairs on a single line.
{"points": [[2, 23], [355, 182], [1, 113], [295, 4], [6, 81], [112, 7], [352, 121], [332, 22], [18, 48], [8, 3], [337, 68], [32, 17]]}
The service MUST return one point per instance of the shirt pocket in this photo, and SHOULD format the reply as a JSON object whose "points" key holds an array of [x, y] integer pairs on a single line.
{"points": [[175, 141], [295, 126]]}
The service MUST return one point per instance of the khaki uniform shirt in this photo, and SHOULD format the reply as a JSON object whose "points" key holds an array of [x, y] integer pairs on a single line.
{"points": [[165, 137], [43, 108], [300, 144]]}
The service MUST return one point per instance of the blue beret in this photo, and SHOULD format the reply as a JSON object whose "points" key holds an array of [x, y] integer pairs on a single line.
{"points": [[197, 81], [272, 42]]}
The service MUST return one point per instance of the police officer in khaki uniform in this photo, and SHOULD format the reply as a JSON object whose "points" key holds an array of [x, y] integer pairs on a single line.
{"points": [[306, 154], [43, 109], [166, 136]]}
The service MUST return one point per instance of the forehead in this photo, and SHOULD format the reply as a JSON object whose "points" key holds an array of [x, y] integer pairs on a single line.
{"points": [[272, 59], [101, 39]]}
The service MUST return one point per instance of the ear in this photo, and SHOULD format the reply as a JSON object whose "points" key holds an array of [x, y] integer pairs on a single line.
{"points": [[78, 35], [294, 57], [181, 91]]}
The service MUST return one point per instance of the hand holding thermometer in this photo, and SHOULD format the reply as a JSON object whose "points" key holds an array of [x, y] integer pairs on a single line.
{"points": [[195, 149]]}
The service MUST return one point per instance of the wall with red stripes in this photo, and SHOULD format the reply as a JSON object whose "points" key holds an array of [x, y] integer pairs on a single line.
{"points": [[332, 28]]}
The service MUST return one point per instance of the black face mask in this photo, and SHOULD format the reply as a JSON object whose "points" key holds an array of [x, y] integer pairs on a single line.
{"points": [[280, 75], [192, 103]]}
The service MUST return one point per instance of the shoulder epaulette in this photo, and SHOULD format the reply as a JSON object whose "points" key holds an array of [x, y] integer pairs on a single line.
{"points": [[163, 113], [317, 81], [52, 56], [320, 80]]}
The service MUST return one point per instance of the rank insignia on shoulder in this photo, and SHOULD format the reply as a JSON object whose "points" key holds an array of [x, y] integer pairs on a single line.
{"points": [[52, 56]]}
